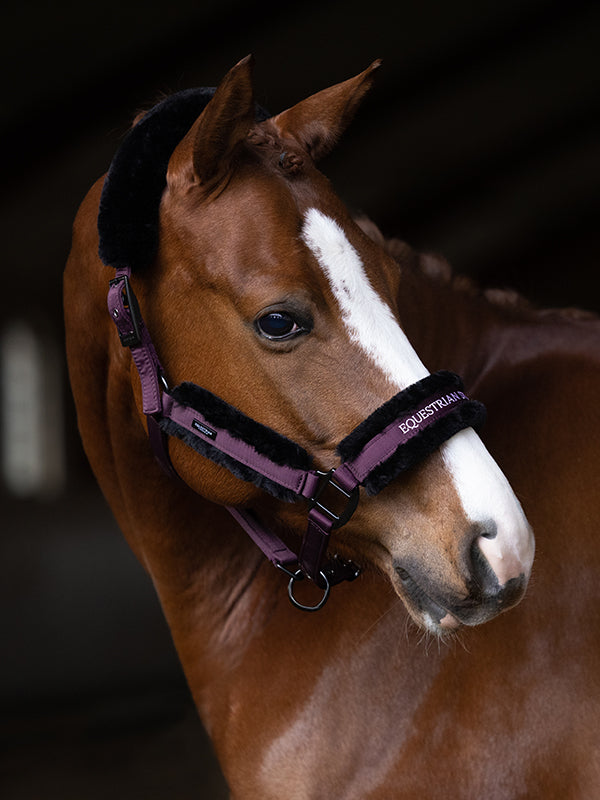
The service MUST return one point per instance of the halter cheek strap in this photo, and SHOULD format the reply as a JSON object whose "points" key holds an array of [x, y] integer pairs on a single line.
{"points": [[395, 437]]}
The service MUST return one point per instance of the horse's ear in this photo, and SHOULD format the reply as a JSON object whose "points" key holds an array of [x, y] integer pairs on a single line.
{"points": [[318, 122], [207, 151]]}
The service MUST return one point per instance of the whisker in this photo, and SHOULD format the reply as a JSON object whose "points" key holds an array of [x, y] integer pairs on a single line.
{"points": [[374, 624]]}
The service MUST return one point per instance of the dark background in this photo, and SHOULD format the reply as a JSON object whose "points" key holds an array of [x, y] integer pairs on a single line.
{"points": [[480, 141]]}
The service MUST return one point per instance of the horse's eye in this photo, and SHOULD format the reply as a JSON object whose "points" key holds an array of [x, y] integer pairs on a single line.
{"points": [[278, 325]]}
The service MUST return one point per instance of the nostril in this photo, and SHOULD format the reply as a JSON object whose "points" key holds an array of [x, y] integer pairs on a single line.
{"points": [[402, 574], [483, 577], [488, 530]]}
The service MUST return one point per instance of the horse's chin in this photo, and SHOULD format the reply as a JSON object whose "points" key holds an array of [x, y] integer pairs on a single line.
{"points": [[425, 612]]}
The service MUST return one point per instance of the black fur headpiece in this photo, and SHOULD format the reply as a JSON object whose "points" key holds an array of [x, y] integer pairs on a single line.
{"points": [[128, 216]]}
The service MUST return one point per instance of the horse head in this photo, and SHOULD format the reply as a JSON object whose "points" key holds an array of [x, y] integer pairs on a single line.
{"points": [[264, 291]]}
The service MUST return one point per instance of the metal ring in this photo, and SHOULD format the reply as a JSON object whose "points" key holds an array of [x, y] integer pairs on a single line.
{"points": [[298, 576]]}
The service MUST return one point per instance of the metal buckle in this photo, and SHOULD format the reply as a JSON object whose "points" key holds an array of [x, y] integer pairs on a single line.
{"points": [[351, 499], [131, 338]]}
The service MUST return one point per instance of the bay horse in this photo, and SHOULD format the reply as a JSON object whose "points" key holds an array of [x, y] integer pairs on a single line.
{"points": [[252, 309]]}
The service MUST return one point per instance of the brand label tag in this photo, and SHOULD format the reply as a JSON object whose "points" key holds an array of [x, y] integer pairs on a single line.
{"points": [[204, 429]]}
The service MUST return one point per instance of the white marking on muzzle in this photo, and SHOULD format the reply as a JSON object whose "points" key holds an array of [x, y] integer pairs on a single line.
{"points": [[490, 503], [486, 496]]}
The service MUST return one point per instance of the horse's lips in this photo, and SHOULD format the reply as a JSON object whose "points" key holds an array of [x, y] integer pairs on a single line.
{"points": [[437, 617], [449, 622], [434, 614]]}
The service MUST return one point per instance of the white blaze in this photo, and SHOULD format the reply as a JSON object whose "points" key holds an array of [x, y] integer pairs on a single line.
{"points": [[485, 494], [368, 319]]}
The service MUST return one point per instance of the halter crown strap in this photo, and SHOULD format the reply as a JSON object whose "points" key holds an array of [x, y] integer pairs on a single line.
{"points": [[125, 312]]}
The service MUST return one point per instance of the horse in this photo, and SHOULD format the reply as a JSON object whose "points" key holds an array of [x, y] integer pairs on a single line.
{"points": [[444, 662]]}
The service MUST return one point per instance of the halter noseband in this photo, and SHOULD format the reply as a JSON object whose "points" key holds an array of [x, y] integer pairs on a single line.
{"points": [[399, 434]]}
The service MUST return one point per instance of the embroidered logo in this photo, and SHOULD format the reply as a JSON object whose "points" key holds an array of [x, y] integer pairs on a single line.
{"points": [[436, 407]]}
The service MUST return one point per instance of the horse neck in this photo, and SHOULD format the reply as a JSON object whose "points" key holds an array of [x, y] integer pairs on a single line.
{"points": [[452, 325], [200, 561]]}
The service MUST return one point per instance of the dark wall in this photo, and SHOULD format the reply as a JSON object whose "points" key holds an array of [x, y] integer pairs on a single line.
{"points": [[480, 141]]}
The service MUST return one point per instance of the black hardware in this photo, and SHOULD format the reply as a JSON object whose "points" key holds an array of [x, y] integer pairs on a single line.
{"points": [[132, 338], [299, 576], [349, 498]]}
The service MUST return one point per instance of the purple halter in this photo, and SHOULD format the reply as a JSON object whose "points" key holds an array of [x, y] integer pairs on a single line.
{"points": [[399, 434], [410, 426]]}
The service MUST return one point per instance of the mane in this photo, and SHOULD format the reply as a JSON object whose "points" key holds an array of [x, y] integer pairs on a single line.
{"points": [[436, 269]]}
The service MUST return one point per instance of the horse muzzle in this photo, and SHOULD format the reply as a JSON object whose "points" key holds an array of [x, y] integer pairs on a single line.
{"points": [[479, 597]]}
